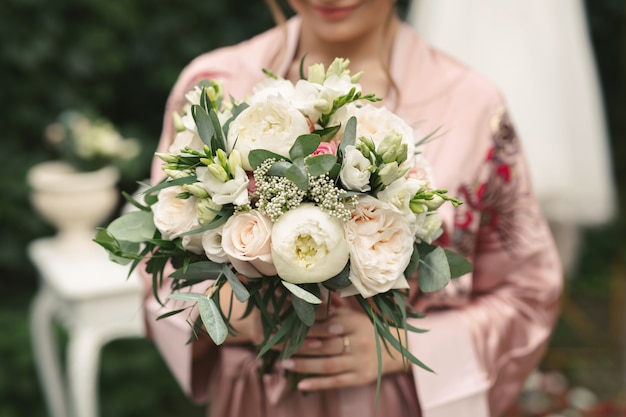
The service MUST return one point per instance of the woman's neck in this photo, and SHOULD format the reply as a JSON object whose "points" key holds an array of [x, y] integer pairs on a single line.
{"points": [[370, 54]]}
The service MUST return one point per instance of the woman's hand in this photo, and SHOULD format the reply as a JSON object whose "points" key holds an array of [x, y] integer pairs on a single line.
{"points": [[340, 351]]}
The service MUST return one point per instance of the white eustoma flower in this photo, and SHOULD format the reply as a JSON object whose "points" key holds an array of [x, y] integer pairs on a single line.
{"points": [[376, 123], [233, 191], [399, 194], [172, 215], [308, 245], [183, 139], [212, 245], [273, 125], [355, 173], [381, 246]]}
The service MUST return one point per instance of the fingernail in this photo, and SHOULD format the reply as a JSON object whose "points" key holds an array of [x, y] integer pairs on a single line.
{"points": [[304, 385], [335, 329], [288, 364], [314, 343]]}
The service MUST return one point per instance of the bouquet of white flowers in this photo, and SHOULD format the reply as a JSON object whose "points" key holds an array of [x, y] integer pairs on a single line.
{"points": [[300, 190]]}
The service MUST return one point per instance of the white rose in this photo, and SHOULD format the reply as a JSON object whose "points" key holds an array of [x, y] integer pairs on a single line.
{"points": [[233, 191], [246, 242], [376, 123], [381, 246], [212, 245], [273, 125], [354, 173], [172, 215], [308, 245]]}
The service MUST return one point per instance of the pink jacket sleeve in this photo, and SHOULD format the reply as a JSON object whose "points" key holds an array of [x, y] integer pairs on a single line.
{"points": [[483, 350]]}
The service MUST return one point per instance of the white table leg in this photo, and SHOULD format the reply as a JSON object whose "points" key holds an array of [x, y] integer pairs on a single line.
{"points": [[82, 371], [43, 310]]}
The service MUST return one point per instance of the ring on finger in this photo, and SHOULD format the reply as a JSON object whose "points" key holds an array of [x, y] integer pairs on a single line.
{"points": [[346, 344]]}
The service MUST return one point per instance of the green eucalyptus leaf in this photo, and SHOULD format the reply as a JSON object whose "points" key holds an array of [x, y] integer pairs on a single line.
{"points": [[279, 168], [320, 164], [237, 109], [298, 174], [198, 271], [301, 293], [304, 310], [434, 272], [213, 321], [257, 156], [135, 226], [204, 125], [304, 145], [459, 265]]}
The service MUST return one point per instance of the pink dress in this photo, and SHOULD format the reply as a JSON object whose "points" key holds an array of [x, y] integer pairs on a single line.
{"points": [[489, 328]]}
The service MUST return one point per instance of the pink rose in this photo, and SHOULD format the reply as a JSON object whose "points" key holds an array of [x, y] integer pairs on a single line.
{"points": [[325, 148], [246, 242]]}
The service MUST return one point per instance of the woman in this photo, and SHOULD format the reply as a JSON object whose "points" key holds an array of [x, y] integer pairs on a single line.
{"points": [[488, 329]]}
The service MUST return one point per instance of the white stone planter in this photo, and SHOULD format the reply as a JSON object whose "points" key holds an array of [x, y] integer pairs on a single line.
{"points": [[72, 201]]}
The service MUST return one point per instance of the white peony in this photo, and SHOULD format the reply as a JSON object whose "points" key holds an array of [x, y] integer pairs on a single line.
{"points": [[271, 87], [308, 245], [273, 125], [246, 241], [172, 215], [355, 173], [381, 246]]}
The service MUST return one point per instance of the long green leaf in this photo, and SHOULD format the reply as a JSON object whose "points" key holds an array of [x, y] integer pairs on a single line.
{"points": [[304, 310], [198, 271], [203, 124], [301, 293], [187, 296], [348, 138], [237, 286], [213, 321]]}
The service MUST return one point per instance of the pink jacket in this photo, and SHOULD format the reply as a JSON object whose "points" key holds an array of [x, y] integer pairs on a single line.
{"points": [[488, 329]]}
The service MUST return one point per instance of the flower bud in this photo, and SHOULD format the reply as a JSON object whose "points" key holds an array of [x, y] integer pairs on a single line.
{"points": [[175, 174], [434, 203], [338, 67], [356, 77], [316, 74], [222, 158], [234, 161], [206, 210], [368, 142], [166, 157], [177, 120], [218, 172], [390, 172], [197, 190], [417, 207]]}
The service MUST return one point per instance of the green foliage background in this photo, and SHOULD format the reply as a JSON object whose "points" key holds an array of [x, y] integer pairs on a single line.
{"points": [[119, 59]]}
